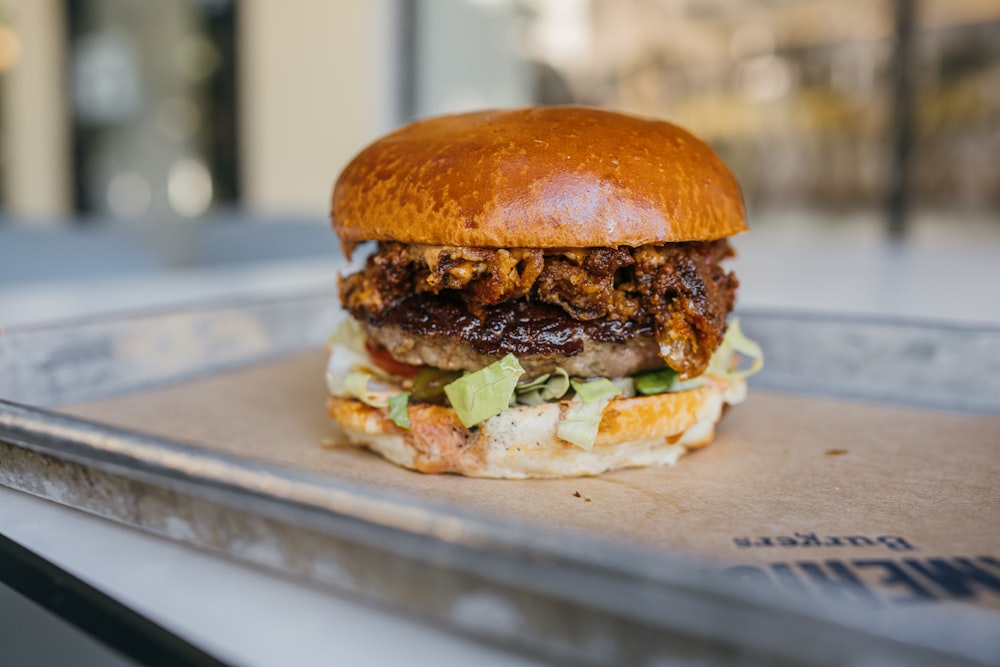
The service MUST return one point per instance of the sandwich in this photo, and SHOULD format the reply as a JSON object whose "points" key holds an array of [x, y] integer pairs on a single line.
{"points": [[545, 294]]}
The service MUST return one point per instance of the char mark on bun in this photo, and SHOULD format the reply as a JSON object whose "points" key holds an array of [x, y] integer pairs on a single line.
{"points": [[547, 294]]}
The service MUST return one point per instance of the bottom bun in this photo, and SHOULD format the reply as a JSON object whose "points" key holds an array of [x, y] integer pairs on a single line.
{"points": [[521, 442]]}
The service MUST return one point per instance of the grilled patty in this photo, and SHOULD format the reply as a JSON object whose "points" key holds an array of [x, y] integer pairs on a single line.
{"points": [[427, 330]]}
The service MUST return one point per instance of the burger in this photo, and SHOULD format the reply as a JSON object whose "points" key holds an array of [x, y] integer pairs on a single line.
{"points": [[546, 294]]}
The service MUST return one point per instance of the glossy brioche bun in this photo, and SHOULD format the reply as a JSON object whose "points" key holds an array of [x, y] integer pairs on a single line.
{"points": [[521, 442], [539, 177]]}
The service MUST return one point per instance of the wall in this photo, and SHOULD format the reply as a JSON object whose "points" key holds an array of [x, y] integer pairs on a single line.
{"points": [[36, 150], [316, 85]]}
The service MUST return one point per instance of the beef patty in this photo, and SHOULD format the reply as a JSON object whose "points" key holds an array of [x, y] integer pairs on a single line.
{"points": [[455, 307]]}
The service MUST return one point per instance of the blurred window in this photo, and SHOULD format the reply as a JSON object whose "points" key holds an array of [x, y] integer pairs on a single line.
{"points": [[837, 105], [153, 107]]}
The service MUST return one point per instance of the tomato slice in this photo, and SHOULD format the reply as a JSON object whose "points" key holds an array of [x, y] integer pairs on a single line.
{"points": [[386, 362]]}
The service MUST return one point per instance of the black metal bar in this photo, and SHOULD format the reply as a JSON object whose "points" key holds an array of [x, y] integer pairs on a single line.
{"points": [[220, 23], [902, 122], [93, 612], [75, 23], [408, 27]]}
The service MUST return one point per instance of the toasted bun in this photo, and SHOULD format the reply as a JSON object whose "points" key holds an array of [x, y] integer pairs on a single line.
{"points": [[540, 177], [522, 441]]}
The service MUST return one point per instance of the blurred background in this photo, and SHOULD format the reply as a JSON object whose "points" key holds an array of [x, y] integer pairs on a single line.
{"points": [[172, 150]]}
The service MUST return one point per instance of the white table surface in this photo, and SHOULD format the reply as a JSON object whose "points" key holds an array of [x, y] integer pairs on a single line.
{"points": [[253, 618]]}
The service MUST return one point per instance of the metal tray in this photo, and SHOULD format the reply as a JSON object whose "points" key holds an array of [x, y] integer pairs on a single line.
{"points": [[556, 594]]}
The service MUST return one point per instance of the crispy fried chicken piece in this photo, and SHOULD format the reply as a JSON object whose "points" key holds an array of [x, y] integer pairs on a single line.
{"points": [[677, 292]]}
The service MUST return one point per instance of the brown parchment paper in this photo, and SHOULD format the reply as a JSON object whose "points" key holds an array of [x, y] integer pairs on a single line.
{"points": [[887, 505]]}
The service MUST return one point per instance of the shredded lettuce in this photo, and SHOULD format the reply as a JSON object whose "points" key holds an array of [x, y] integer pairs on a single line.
{"points": [[556, 386], [543, 389], [595, 389], [477, 396], [581, 422], [347, 355], [351, 372], [358, 383], [348, 334], [724, 361], [532, 384], [397, 409]]}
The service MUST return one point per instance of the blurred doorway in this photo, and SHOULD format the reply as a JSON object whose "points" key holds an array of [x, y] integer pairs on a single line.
{"points": [[153, 107]]}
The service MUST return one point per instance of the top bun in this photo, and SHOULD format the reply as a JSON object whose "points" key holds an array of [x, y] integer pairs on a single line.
{"points": [[539, 177]]}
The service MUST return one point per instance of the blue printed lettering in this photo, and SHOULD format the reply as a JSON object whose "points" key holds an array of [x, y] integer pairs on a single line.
{"points": [[897, 576], [895, 543], [807, 539], [959, 577]]}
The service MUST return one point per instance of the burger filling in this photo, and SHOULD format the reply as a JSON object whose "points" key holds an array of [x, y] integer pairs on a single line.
{"points": [[481, 329], [609, 312]]}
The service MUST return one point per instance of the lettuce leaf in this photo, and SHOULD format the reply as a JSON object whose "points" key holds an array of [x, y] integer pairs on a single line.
{"points": [[476, 397], [397, 409], [581, 422], [349, 372], [486, 393], [543, 389], [347, 355], [357, 384], [595, 389]]}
